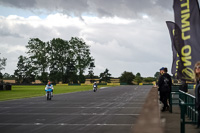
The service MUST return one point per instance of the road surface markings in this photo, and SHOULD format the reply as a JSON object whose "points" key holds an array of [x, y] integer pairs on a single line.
{"points": [[84, 114], [60, 124]]}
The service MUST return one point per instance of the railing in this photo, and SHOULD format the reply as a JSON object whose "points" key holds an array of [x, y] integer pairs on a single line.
{"points": [[174, 96], [187, 105], [190, 86]]}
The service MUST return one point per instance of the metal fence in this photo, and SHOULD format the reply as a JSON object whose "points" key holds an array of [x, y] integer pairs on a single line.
{"points": [[187, 106], [174, 96]]}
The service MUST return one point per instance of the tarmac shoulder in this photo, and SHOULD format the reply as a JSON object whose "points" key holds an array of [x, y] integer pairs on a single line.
{"points": [[171, 122]]}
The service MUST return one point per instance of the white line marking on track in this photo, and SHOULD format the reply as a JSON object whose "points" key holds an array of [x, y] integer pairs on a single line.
{"points": [[60, 124], [38, 124], [70, 107], [136, 88], [103, 88], [112, 102], [84, 114]]}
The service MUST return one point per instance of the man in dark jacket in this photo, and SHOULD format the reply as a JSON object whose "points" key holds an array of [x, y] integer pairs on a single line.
{"points": [[165, 85]]}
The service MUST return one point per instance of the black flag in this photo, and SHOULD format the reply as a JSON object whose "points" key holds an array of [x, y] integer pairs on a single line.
{"points": [[178, 45], [176, 59], [187, 32]]}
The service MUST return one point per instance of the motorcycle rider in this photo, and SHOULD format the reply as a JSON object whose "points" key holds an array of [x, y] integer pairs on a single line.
{"points": [[95, 86], [49, 86]]}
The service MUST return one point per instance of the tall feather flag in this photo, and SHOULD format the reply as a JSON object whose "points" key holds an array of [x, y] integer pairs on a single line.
{"points": [[176, 59], [187, 36]]}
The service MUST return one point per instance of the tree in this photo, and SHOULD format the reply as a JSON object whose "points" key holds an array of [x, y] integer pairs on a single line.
{"points": [[138, 78], [127, 77], [90, 72], [59, 53], [25, 72], [38, 53], [2, 66], [55, 59], [6, 76], [44, 77], [149, 79], [70, 73], [81, 55], [105, 76], [2, 63], [157, 75]]}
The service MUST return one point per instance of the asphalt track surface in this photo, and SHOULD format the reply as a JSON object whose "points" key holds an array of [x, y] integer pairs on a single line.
{"points": [[109, 110]]}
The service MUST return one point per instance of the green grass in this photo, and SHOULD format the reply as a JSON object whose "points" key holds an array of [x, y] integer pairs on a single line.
{"points": [[19, 92]]}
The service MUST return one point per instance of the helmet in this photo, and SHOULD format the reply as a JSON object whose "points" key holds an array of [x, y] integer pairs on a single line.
{"points": [[162, 68]]}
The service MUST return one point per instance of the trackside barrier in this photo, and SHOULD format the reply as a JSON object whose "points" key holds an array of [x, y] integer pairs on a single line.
{"points": [[113, 83], [174, 96], [74, 84], [149, 119], [187, 105], [148, 84], [123, 84], [191, 86], [86, 84], [62, 84]]}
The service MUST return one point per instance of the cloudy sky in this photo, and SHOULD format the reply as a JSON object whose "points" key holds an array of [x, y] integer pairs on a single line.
{"points": [[124, 35]]}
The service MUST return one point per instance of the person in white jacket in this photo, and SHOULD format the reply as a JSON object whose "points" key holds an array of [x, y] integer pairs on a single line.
{"points": [[49, 86]]}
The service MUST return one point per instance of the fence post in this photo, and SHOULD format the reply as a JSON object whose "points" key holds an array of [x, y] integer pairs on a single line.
{"points": [[186, 101], [170, 103], [182, 117]]}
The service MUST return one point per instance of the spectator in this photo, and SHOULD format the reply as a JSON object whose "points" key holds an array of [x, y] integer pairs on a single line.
{"points": [[197, 89], [164, 83]]}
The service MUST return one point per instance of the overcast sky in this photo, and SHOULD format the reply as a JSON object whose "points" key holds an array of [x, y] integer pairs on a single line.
{"points": [[124, 35]]}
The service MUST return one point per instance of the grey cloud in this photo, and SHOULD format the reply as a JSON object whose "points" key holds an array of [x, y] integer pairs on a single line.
{"points": [[19, 3], [12, 59], [165, 3], [5, 33], [121, 8], [137, 45], [10, 40]]}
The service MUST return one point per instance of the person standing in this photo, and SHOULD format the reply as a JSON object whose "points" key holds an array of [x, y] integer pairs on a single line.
{"points": [[164, 84], [197, 89], [161, 73]]}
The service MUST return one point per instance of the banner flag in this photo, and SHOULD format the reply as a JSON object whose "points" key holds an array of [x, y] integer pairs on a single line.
{"points": [[187, 36], [176, 59]]}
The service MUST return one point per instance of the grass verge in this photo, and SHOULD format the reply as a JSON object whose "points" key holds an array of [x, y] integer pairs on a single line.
{"points": [[19, 92]]}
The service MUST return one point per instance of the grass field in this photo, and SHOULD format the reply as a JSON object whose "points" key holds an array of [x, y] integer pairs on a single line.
{"points": [[19, 92]]}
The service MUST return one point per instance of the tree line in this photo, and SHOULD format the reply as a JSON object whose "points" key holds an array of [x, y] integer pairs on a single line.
{"points": [[57, 60], [63, 61], [130, 78]]}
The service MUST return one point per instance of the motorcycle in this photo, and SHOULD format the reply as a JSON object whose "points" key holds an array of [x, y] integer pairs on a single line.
{"points": [[94, 88], [49, 94]]}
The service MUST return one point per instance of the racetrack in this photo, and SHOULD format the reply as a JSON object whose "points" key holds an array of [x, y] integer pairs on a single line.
{"points": [[109, 110]]}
